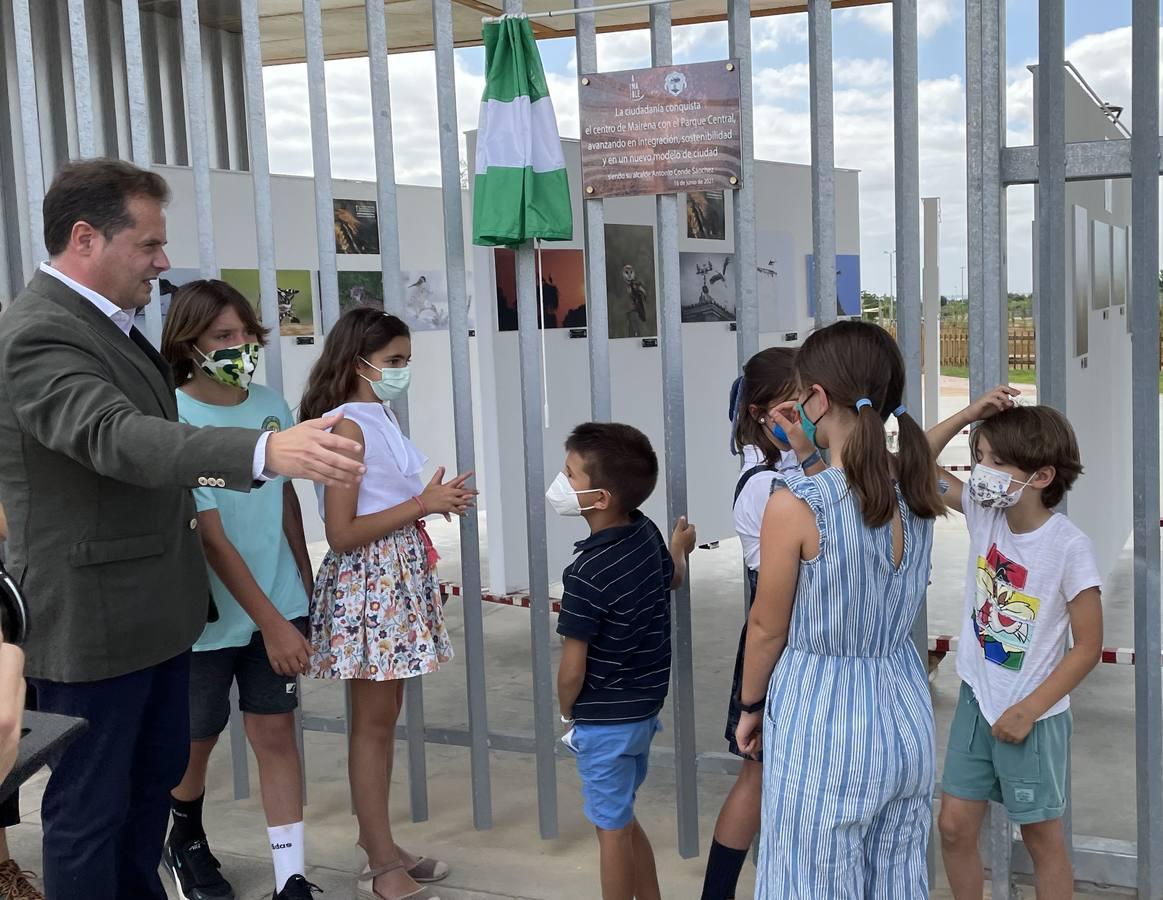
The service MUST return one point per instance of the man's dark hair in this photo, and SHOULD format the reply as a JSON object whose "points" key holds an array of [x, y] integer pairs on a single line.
{"points": [[96, 191], [1031, 438], [617, 458]]}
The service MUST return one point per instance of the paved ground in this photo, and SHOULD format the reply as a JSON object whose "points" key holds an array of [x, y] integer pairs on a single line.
{"points": [[510, 860]]}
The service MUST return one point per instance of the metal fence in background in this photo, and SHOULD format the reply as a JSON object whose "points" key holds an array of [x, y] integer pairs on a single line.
{"points": [[991, 168]]}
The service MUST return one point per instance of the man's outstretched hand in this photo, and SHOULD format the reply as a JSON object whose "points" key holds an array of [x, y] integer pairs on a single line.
{"points": [[310, 451]]}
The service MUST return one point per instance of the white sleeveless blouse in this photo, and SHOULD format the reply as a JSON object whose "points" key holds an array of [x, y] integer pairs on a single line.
{"points": [[393, 462]]}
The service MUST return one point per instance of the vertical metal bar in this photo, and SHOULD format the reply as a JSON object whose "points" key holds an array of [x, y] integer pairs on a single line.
{"points": [[300, 745], [674, 427], [985, 107], [199, 139], [931, 303], [907, 174], [1051, 204], [82, 86], [539, 630], [823, 160], [746, 273], [260, 173], [321, 159], [239, 762], [139, 127], [1145, 444], [594, 219], [454, 267], [1001, 848], [529, 345], [30, 129], [387, 217]]}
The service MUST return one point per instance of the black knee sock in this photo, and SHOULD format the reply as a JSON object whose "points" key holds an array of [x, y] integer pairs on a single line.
{"points": [[187, 820], [723, 867]]}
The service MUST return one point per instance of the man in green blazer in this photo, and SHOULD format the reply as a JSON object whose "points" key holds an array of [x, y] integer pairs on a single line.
{"points": [[95, 475]]}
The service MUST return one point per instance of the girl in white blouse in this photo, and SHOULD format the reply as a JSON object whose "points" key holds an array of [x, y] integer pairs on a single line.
{"points": [[376, 614]]}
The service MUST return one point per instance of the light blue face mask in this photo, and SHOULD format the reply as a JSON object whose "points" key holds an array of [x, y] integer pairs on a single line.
{"points": [[392, 383], [779, 434]]}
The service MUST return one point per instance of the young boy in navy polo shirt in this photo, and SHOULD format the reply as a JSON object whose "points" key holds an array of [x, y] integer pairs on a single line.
{"points": [[615, 619]]}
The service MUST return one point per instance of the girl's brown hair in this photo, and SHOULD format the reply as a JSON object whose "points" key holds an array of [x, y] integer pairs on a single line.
{"points": [[359, 332], [854, 361], [193, 310], [768, 378]]}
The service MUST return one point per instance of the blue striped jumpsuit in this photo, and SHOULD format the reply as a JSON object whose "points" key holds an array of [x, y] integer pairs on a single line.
{"points": [[848, 728]]}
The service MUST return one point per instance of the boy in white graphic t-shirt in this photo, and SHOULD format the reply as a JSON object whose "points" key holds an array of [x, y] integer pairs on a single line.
{"points": [[1032, 580]]}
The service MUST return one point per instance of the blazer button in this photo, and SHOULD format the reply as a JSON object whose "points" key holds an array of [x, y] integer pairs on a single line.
{"points": [[220, 483], [193, 523], [203, 481]]}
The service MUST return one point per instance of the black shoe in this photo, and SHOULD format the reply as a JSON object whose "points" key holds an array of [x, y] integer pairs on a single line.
{"points": [[195, 871], [297, 888]]}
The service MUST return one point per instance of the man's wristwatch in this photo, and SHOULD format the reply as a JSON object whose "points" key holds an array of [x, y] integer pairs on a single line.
{"points": [[755, 707]]}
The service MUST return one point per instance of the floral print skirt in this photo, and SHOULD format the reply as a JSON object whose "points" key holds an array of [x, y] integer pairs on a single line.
{"points": [[376, 613]]}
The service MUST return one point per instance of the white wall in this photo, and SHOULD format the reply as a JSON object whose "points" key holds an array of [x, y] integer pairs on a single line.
{"points": [[1098, 384], [783, 204], [293, 200]]}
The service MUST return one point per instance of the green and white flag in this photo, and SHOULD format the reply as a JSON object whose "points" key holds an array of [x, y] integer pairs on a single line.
{"points": [[520, 189]]}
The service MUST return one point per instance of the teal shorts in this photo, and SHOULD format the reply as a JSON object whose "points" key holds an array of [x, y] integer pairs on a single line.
{"points": [[1029, 778]]}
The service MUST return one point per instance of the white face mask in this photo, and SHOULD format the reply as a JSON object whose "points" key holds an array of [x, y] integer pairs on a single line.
{"points": [[563, 498], [991, 488]]}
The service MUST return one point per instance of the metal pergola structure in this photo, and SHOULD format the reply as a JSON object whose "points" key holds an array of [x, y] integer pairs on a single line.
{"points": [[285, 30]]}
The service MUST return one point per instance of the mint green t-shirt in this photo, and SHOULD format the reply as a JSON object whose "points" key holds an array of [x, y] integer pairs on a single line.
{"points": [[253, 522]]}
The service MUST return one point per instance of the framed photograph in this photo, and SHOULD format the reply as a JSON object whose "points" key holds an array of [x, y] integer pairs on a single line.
{"points": [[1080, 273], [357, 228], [706, 215], [631, 292], [296, 297], [1101, 282], [563, 289], [707, 287]]}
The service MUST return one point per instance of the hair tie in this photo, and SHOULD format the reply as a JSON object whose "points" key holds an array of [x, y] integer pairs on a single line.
{"points": [[900, 410], [863, 403]]}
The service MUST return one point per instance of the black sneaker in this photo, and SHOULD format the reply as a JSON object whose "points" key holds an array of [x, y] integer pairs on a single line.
{"points": [[297, 888], [195, 871]]}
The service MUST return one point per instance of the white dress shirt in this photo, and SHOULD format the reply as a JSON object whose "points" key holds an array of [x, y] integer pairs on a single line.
{"points": [[123, 319]]}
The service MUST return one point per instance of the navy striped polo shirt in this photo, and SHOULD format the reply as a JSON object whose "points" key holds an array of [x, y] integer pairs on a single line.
{"points": [[617, 600]]}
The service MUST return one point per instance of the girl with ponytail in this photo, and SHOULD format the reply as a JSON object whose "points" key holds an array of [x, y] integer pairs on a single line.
{"points": [[768, 380], [848, 730]]}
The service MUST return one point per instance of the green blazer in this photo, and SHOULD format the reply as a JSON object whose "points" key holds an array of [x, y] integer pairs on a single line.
{"points": [[95, 472]]}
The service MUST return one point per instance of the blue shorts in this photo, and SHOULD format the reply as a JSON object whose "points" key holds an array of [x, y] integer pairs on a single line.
{"points": [[612, 761]]}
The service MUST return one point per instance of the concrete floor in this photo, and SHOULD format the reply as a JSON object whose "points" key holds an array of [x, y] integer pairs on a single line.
{"points": [[510, 860]]}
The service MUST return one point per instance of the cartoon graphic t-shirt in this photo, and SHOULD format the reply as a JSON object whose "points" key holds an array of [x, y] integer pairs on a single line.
{"points": [[1016, 595]]}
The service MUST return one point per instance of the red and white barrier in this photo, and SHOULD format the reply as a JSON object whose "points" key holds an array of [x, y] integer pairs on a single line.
{"points": [[1117, 656]]}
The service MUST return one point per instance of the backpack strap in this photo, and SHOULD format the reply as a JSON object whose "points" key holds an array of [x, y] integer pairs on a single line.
{"points": [[747, 476]]}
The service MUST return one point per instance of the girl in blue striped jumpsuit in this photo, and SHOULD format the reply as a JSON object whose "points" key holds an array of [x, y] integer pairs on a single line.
{"points": [[833, 689]]}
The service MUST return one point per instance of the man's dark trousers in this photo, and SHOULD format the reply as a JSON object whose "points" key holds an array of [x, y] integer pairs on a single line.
{"points": [[107, 803]]}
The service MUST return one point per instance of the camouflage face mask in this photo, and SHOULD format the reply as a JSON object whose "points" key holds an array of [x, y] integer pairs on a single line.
{"points": [[232, 366]]}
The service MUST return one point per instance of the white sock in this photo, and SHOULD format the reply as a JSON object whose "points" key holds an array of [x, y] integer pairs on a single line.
{"points": [[287, 852]]}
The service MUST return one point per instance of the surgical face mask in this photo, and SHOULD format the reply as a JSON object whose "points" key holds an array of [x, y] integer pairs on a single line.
{"points": [[991, 489], [392, 383], [564, 499], [232, 366], [779, 434]]}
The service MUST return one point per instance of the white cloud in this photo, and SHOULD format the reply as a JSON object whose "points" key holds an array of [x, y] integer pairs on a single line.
{"points": [[932, 16], [771, 33]]}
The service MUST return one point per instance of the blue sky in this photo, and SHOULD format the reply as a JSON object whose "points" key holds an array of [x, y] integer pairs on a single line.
{"points": [[1097, 40]]}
